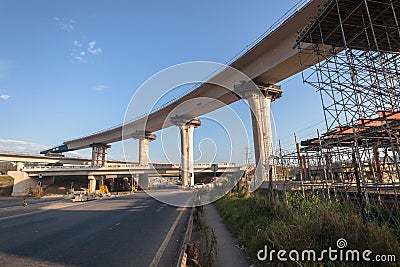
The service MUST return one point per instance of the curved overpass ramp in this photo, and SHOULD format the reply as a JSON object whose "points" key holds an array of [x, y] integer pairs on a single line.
{"points": [[269, 61]]}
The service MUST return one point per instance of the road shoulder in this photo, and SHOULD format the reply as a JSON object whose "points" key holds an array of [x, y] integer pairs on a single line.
{"points": [[228, 251]]}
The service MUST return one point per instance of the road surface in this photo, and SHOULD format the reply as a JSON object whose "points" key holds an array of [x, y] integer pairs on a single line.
{"points": [[8, 202], [132, 230]]}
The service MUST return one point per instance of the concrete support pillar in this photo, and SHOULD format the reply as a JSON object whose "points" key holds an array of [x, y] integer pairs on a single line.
{"points": [[144, 139], [52, 180], [23, 184], [186, 126], [259, 98], [144, 181], [144, 151], [20, 166], [92, 184], [184, 156], [99, 154]]}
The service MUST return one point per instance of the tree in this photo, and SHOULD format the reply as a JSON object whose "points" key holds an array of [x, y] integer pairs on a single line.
{"points": [[6, 166]]}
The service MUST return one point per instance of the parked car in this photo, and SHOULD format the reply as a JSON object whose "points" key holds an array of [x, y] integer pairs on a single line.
{"points": [[199, 186]]}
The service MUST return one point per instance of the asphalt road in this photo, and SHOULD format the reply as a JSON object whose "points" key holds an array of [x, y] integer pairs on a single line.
{"points": [[7, 202], [123, 231]]}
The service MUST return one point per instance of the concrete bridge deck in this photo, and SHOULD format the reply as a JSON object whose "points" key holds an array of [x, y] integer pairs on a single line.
{"points": [[123, 169], [28, 177], [271, 60], [51, 159]]}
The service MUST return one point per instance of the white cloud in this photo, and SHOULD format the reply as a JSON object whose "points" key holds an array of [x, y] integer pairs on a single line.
{"points": [[93, 50], [77, 43], [91, 45], [100, 87], [19, 146], [80, 59], [4, 97], [82, 49], [76, 154], [65, 26]]}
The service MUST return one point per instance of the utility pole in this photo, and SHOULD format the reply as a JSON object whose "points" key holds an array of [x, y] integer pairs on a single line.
{"points": [[247, 155], [300, 163]]}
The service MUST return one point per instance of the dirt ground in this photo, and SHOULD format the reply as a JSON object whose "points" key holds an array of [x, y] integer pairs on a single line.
{"points": [[62, 185], [6, 185]]}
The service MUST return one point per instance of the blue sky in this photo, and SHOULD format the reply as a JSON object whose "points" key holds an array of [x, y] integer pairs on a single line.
{"points": [[69, 68]]}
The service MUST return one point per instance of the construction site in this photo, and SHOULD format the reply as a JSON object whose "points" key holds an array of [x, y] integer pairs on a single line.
{"points": [[353, 62]]}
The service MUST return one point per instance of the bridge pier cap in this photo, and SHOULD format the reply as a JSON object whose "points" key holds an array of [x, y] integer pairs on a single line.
{"points": [[144, 135], [248, 89], [184, 120], [213, 88]]}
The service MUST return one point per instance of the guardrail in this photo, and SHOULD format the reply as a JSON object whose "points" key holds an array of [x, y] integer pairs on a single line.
{"points": [[181, 258], [181, 262], [56, 167], [222, 165], [128, 166]]}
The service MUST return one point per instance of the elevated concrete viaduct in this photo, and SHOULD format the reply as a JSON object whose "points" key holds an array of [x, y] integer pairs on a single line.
{"points": [[21, 159], [269, 61]]}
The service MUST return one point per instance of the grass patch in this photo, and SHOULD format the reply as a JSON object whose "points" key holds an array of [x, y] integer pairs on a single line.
{"points": [[6, 185], [301, 224]]}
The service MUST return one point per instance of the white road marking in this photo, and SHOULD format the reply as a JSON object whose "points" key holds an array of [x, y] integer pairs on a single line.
{"points": [[115, 225], [167, 238]]}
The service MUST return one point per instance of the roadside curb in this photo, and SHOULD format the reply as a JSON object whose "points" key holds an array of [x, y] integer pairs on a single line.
{"points": [[182, 254]]}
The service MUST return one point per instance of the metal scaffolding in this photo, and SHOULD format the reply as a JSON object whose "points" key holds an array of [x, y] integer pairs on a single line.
{"points": [[350, 52]]}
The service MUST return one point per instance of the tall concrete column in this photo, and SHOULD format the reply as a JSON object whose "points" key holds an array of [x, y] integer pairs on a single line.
{"points": [[144, 139], [92, 183], [259, 98], [20, 166], [186, 126], [99, 154], [143, 151], [189, 147]]}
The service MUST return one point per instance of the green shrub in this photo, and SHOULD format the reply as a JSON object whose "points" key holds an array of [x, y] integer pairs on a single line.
{"points": [[302, 223]]}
